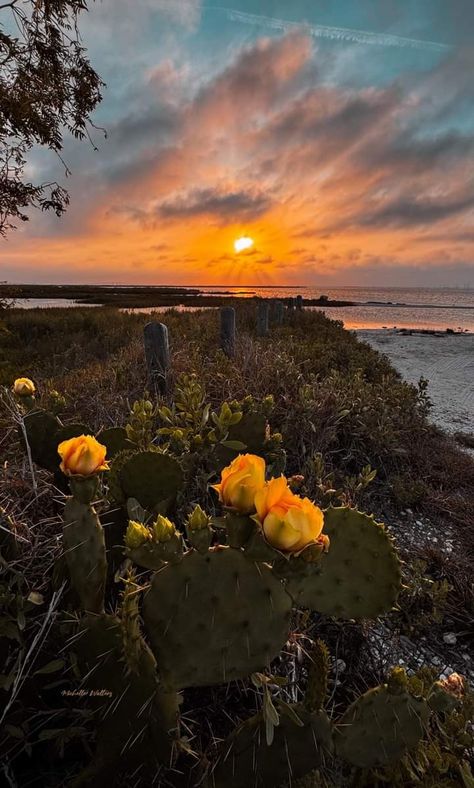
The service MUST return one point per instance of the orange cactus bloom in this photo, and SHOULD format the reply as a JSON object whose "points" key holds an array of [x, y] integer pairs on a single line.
{"points": [[82, 456]]}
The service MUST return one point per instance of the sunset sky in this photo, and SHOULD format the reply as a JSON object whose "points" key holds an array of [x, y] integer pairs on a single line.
{"points": [[348, 157]]}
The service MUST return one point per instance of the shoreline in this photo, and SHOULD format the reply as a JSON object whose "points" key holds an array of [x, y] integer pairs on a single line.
{"points": [[142, 296], [445, 359]]}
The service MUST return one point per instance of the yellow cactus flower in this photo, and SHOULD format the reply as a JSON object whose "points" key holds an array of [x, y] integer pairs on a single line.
{"points": [[163, 529], [24, 387], [289, 522], [136, 535], [82, 456], [240, 481]]}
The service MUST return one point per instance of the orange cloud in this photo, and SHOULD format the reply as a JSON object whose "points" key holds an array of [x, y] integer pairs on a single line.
{"points": [[323, 178]]}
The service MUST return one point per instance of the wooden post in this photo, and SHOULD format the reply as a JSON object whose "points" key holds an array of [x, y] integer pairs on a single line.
{"points": [[279, 312], [228, 330], [299, 302], [291, 304], [262, 318], [157, 353]]}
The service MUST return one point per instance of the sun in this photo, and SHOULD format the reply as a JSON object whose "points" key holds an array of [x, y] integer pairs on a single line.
{"points": [[242, 243]]}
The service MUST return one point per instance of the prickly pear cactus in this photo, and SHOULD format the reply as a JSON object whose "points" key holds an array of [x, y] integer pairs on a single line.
{"points": [[84, 550], [382, 725], [151, 477], [135, 718], [360, 575], [301, 742], [215, 617], [115, 439], [45, 432]]}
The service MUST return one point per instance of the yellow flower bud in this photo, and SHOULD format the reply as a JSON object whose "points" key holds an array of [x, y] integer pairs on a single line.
{"points": [[82, 456], [288, 521], [240, 481], [24, 387], [136, 535], [198, 519], [163, 529]]}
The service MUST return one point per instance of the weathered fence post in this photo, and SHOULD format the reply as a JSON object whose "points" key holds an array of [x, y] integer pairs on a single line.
{"points": [[279, 312], [157, 353], [291, 304], [299, 302], [228, 330], [263, 310]]}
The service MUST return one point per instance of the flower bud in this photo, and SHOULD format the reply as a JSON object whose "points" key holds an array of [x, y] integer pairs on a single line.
{"points": [[198, 519], [136, 535], [24, 387], [163, 529]]}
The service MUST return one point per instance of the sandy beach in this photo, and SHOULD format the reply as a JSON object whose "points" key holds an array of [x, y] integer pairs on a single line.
{"points": [[447, 361]]}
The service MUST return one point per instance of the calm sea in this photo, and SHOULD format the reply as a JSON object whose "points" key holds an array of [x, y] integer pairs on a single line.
{"points": [[404, 307]]}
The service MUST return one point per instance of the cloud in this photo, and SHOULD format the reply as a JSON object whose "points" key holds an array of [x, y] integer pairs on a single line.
{"points": [[223, 205], [185, 13], [367, 175], [408, 211]]}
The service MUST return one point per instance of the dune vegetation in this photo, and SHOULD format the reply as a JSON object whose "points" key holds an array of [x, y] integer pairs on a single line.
{"points": [[133, 569]]}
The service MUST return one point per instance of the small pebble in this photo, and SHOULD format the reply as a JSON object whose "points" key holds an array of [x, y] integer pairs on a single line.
{"points": [[450, 638]]}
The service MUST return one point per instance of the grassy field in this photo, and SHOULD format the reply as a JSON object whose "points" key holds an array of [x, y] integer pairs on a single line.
{"points": [[343, 413]]}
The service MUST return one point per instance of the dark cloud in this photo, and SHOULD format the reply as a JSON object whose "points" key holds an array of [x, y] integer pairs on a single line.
{"points": [[328, 117], [415, 155], [406, 211], [223, 205]]}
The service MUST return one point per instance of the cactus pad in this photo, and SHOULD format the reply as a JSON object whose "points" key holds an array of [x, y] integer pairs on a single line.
{"points": [[215, 617], [41, 427], [380, 727], [250, 431], [45, 432], [359, 577], [84, 550], [296, 750], [115, 438], [134, 716], [151, 477]]}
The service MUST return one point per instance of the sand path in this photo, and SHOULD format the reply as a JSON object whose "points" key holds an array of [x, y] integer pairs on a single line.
{"points": [[447, 361]]}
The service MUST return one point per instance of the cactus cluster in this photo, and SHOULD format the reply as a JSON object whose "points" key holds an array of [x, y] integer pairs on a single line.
{"points": [[216, 599]]}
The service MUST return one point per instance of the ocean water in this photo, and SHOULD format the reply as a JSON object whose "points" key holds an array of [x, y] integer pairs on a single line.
{"points": [[388, 307], [404, 307]]}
